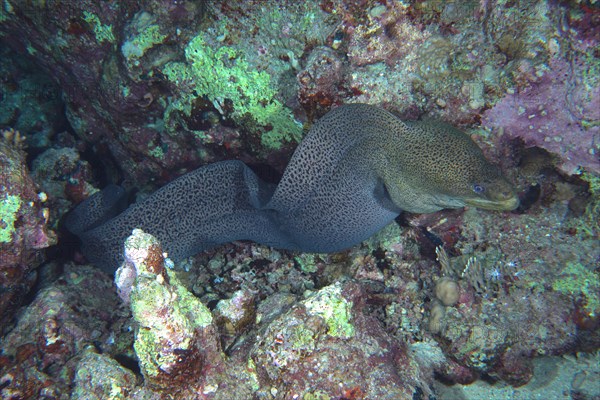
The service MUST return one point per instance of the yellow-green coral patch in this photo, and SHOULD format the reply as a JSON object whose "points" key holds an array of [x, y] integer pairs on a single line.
{"points": [[577, 280], [9, 206], [329, 304], [224, 74]]}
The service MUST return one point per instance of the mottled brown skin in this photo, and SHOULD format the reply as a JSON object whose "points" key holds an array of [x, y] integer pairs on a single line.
{"points": [[436, 166], [355, 171]]}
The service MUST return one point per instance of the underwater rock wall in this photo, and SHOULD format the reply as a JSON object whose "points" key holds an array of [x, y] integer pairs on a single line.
{"points": [[140, 92], [155, 84]]}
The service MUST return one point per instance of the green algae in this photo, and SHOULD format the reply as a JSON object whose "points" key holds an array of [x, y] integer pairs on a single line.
{"points": [[223, 74], [185, 314], [588, 223], [318, 395], [593, 181], [9, 206], [329, 304], [306, 262], [576, 280], [102, 32], [385, 239], [5, 9], [253, 377], [302, 338], [157, 152], [137, 46], [190, 305]]}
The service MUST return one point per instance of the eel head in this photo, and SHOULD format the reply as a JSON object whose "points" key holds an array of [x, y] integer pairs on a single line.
{"points": [[493, 193], [437, 166]]}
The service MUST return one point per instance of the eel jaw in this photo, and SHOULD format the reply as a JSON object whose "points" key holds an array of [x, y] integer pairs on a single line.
{"points": [[504, 204]]}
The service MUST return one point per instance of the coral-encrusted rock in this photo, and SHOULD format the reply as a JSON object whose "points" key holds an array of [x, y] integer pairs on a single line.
{"points": [[99, 56], [509, 309], [63, 176], [234, 315], [500, 336], [98, 376], [175, 339], [64, 318], [23, 233], [320, 81], [387, 35], [327, 346]]}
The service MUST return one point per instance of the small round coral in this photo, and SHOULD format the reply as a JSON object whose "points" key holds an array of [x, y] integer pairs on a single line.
{"points": [[436, 317], [447, 291]]}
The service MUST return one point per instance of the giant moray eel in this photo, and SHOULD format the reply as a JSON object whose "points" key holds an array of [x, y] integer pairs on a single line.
{"points": [[356, 170]]}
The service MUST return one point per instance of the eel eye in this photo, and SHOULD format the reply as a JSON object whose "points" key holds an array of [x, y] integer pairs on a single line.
{"points": [[478, 188]]}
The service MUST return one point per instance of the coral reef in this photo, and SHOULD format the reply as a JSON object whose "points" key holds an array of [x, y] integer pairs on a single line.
{"points": [[150, 62], [67, 320], [107, 105], [320, 82], [101, 376], [509, 309], [138, 93], [349, 353], [174, 73], [176, 338], [23, 230]]}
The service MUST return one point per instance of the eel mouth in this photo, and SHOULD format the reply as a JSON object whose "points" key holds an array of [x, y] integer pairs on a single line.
{"points": [[506, 204]]}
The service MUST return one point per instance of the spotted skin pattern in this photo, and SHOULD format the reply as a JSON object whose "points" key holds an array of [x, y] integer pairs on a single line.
{"points": [[354, 172]]}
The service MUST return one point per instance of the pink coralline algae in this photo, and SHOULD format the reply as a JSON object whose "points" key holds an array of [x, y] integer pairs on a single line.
{"points": [[559, 113]]}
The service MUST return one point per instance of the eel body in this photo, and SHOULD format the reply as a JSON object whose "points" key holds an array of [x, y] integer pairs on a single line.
{"points": [[355, 171]]}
